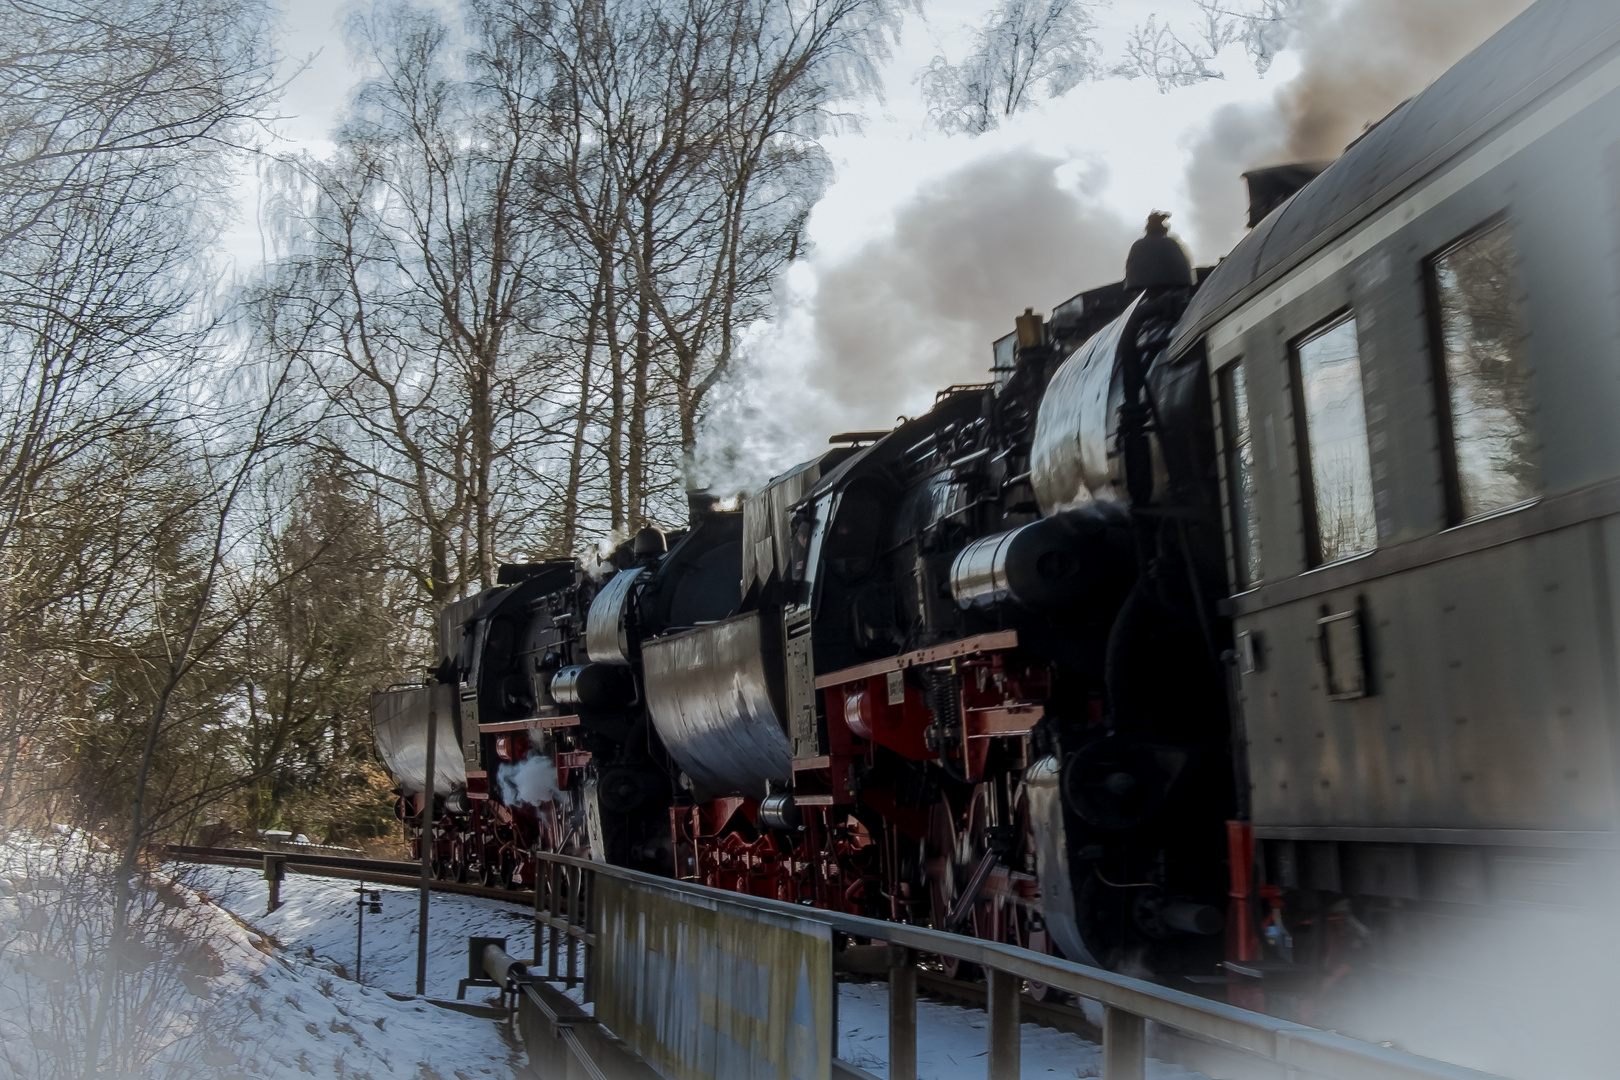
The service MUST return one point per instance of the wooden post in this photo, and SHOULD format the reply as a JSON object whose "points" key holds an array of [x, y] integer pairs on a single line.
{"points": [[902, 1013], [1005, 1036], [1124, 1045]]}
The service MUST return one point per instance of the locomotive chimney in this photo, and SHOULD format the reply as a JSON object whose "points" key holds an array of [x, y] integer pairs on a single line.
{"points": [[699, 505], [1031, 329], [1271, 187]]}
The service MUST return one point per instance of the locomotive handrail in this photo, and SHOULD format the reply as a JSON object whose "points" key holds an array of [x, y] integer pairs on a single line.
{"points": [[1127, 1002]]}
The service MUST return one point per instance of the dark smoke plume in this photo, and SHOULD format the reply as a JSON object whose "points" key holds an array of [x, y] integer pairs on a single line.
{"points": [[1359, 59], [916, 310]]}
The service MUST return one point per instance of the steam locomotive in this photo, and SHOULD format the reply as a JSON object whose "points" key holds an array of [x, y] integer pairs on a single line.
{"points": [[1256, 620]]}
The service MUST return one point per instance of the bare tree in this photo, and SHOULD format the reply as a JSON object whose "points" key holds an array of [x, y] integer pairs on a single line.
{"points": [[108, 111], [1024, 44], [92, 87], [1157, 51], [685, 153], [190, 629], [413, 293]]}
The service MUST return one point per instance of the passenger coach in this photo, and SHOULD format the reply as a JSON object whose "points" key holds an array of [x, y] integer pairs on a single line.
{"points": [[1416, 366]]}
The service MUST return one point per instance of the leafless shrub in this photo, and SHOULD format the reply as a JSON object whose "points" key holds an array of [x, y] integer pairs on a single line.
{"points": [[55, 915]]}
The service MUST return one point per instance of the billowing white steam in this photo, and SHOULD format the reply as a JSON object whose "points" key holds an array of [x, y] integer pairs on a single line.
{"points": [[1359, 59], [529, 782], [914, 310]]}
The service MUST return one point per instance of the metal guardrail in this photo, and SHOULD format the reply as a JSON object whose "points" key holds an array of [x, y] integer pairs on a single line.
{"points": [[568, 902], [295, 856]]}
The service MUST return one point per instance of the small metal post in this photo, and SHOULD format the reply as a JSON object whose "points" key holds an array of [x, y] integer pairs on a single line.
{"points": [[275, 870], [586, 893], [1124, 1045], [1005, 1036], [360, 929], [902, 1013], [367, 898]]}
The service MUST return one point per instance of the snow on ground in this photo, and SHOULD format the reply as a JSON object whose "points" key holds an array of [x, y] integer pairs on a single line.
{"points": [[208, 994], [953, 1042], [318, 920], [278, 1000]]}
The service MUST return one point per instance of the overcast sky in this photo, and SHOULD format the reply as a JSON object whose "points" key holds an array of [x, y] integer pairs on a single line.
{"points": [[1129, 128], [926, 245]]}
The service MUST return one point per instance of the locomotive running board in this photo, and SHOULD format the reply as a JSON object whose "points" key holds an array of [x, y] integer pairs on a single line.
{"points": [[537, 723], [979, 643]]}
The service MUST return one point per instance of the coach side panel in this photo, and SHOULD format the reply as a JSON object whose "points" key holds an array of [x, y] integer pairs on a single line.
{"points": [[1487, 700]]}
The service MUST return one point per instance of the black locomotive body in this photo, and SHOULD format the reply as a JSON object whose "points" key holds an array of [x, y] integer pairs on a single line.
{"points": [[923, 676]]}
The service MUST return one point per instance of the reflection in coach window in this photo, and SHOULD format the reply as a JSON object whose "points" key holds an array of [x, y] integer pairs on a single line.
{"points": [[1486, 405], [1240, 478], [1337, 475]]}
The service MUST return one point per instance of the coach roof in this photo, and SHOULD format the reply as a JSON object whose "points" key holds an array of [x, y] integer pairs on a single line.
{"points": [[1527, 58]]}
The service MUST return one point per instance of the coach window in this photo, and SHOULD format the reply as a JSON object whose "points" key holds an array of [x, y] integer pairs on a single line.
{"points": [[1244, 523], [1479, 340], [1339, 516]]}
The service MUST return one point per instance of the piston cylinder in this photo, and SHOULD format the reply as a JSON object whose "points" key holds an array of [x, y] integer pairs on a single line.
{"points": [[1074, 559], [779, 811], [597, 687]]}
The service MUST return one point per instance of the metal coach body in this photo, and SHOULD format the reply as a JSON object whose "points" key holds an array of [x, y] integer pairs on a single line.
{"points": [[1416, 362]]}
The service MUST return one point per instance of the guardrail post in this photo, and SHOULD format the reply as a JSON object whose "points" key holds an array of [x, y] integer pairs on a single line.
{"points": [[1124, 1045], [1005, 1036], [275, 869], [586, 892], [573, 878], [902, 1013], [554, 902], [540, 886]]}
